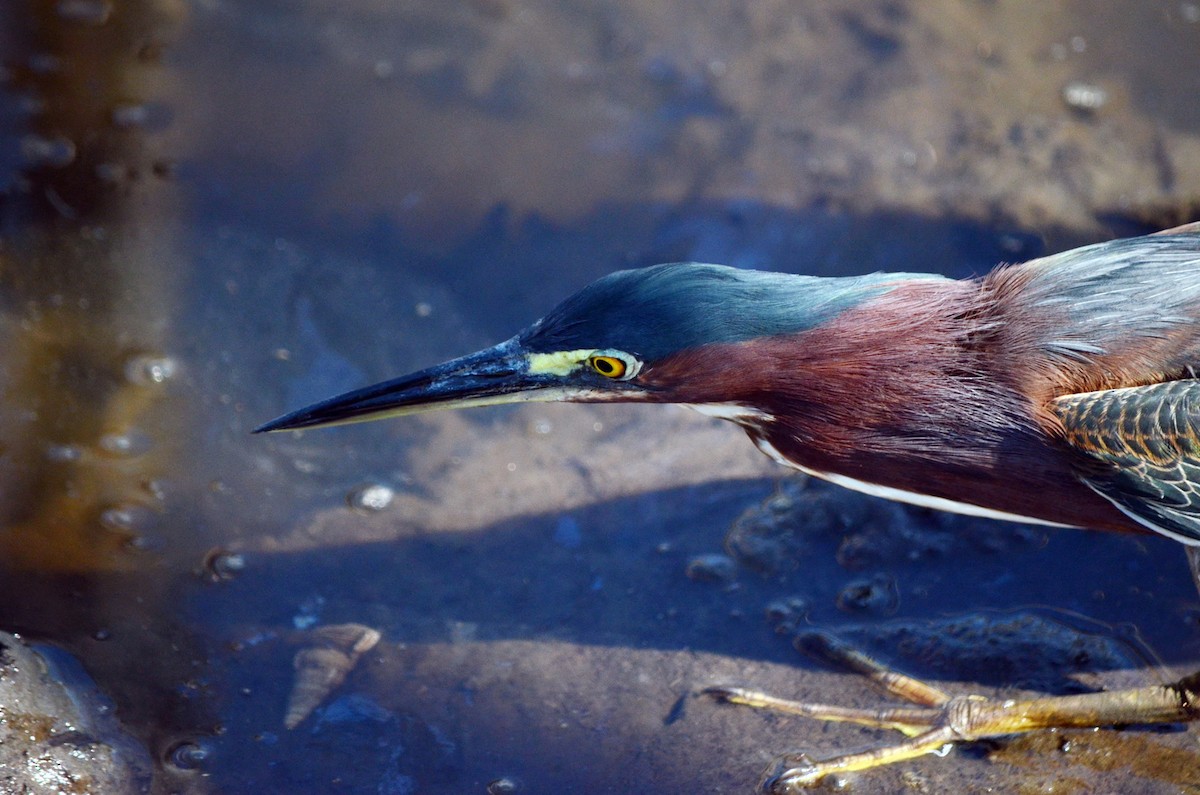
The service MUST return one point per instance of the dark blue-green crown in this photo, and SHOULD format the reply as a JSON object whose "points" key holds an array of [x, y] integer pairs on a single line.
{"points": [[656, 311]]}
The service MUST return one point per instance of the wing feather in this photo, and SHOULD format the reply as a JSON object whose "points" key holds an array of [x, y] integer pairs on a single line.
{"points": [[1140, 448]]}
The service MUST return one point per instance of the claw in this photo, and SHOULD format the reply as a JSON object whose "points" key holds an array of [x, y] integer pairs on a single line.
{"points": [[802, 773], [722, 693]]}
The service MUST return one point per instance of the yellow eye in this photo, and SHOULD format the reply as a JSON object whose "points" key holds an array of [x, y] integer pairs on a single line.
{"points": [[608, 366]]}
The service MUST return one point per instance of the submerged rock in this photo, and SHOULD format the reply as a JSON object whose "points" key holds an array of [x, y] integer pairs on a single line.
{"points": [[57, 731]]}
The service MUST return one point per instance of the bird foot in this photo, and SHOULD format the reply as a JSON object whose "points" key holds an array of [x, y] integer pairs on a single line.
{"points": [[940, 720]]}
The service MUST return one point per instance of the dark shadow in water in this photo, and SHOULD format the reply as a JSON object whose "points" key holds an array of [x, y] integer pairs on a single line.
{"points": [[618, 589]]}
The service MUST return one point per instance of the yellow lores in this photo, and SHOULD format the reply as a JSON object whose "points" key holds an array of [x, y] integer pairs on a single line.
{"points": [[618, 365], [557, 363]]}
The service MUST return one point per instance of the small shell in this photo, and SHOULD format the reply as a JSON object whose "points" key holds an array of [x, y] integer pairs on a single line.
{"points": [[322, 666], [354, 639]]}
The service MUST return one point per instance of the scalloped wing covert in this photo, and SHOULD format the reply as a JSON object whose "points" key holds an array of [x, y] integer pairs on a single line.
{"points": [[1141, 449]]}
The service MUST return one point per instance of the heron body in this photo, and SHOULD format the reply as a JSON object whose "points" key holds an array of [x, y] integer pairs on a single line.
{"points": [[1063, 390]]}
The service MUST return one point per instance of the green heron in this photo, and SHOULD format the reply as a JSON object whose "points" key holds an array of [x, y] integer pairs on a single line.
{"points": [[1061, 391]]}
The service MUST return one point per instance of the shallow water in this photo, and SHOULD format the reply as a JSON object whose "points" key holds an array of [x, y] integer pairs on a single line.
{"points": [[212, 212]]}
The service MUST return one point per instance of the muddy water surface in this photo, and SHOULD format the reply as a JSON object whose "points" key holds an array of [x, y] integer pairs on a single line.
{"points": [[213, 211]]}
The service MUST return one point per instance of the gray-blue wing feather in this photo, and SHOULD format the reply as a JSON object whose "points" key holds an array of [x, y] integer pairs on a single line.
{"points": [[1134, 295]]}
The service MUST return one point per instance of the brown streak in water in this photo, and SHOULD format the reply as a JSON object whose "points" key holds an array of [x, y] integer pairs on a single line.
{"points": [[87, 276], [83, 295]]}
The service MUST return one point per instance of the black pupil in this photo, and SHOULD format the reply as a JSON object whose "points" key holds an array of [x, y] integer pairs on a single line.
{"points": [[605, 367]]}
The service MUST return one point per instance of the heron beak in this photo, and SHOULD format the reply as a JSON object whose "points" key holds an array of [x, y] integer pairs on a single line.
{"points": [[496, 375]]}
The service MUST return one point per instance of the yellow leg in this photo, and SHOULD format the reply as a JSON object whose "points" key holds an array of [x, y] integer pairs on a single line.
{"points": [[942, 719]]}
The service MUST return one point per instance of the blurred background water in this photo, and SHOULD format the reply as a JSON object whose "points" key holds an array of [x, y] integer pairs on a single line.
{"points": [[212, 211]]}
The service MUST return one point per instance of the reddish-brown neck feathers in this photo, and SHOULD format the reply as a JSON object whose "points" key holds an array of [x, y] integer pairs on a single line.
{"points": [[902, 373]]}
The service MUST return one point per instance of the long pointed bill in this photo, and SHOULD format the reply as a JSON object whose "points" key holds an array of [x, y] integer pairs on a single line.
{"points": [[496, 375]]}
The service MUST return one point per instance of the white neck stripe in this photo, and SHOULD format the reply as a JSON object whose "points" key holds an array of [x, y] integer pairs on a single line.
{"points": [[900, 495]]}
